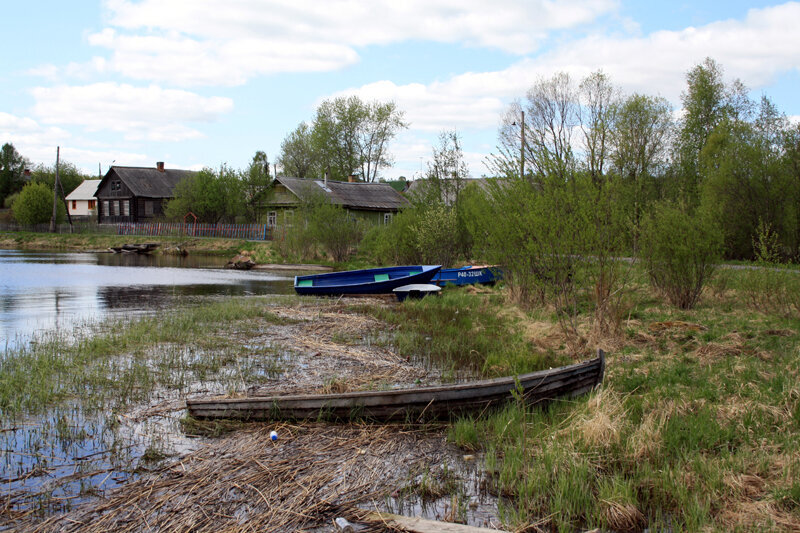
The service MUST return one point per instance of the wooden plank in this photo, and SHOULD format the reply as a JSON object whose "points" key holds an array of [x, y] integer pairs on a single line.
{"points": [[422, 525]]}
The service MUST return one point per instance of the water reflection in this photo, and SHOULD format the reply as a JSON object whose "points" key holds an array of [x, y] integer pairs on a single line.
{"points": [[45, 290]]}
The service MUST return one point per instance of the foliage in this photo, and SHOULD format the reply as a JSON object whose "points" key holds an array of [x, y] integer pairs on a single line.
{"points": [[12, 168], [680, 249], [255, 183], [347, 137], [68, 176], [298, 157], [332, 228], [434, 233], [34, 205], [394, 243], [747, 180], [212, 196]]}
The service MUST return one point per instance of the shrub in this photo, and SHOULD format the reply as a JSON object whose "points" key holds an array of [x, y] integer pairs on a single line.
{"points": [[680, 250], [34, 205]]}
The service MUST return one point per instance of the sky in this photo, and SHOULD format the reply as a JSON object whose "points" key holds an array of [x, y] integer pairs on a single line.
{"points": [[199, 83]]}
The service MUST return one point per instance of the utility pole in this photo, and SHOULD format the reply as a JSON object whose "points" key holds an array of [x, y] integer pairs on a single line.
{"points": [[55, 194], [522, 148]]}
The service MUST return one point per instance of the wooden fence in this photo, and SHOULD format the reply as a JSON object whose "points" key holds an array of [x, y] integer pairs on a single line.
{"points": [[254, 232]]}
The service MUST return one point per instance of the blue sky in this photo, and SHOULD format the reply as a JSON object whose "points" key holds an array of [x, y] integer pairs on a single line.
{"points": [[201, 82]]}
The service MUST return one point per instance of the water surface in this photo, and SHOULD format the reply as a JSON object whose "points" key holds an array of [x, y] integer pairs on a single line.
{"points": [[60, 291]]}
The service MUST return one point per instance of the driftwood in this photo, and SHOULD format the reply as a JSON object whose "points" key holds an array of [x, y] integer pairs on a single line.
{"points": [[421, 525]]}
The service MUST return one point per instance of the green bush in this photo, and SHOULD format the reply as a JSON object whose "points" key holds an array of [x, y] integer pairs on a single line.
{"points": [[680, 250], [34, 205]]}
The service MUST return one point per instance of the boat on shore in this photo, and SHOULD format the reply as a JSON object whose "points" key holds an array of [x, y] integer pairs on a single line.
{"points": [[436, 402], [144, 248], [468, 275], [368, 281]]}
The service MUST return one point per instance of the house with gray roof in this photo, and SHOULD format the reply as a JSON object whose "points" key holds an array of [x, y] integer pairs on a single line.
{"points": [[136, 194], [81, 202], [375, 202]]}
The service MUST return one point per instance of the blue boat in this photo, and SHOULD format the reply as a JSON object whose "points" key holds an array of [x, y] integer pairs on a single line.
{"points": [[467, 275], [368, 281]]}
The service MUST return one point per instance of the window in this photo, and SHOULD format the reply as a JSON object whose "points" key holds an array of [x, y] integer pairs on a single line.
{"points": [[92, 204], [125, 208], [288, 217], [387, 218], [74, 205], [116, 185], [148, 208], [106, 212], [272, 219], [115, 209]]}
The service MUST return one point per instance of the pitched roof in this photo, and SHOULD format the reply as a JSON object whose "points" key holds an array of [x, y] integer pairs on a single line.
{"points": [[84, 191], [149, 182], [354, 195]]}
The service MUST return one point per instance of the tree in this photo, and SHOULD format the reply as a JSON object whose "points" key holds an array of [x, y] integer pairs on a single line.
{"points": [[12, 169], [298, 157], [599, 103], [68, 176], [748, 181], [707, 101], [640, 141], [34, 205], [212, 196], [255, 185], [351, 137]]}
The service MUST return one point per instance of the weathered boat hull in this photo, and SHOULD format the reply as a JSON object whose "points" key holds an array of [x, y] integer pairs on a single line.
{"points": [[439, 402], [367, 281], [468, 275]]}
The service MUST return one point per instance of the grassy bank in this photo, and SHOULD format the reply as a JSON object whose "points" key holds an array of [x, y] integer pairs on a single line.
{"points": [[262, 252], [697, 427]]}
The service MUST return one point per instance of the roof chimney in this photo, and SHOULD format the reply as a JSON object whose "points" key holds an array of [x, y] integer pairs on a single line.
{"points": [[352, 178], [160, 166]]}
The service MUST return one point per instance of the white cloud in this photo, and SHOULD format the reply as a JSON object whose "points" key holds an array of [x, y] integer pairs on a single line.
{"points": [[756, 50], [199, 42], [140, 113]]}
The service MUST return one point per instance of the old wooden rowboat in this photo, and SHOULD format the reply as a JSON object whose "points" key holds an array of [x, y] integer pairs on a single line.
{"points": [[367, 281], [440, 402], [468, 275]]}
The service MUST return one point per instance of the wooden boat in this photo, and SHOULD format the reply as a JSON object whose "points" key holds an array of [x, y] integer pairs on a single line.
{"points": [[416, 291], [441, 402], [368, 281], [467, 275], [144, 248]]}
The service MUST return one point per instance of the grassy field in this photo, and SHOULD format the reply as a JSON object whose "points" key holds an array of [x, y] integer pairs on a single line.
{"points": [[697, 427]]}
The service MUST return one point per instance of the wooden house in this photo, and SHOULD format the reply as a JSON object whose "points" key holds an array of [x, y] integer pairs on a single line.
{"points": [[374, 202], [81, 202], [136, 194]]}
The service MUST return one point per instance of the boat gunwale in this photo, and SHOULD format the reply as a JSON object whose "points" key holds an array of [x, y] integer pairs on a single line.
{"points": [[487, 389]]}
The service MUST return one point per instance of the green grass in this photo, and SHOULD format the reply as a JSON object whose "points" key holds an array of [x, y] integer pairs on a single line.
{"points": [[461, 330], [697, 427]]}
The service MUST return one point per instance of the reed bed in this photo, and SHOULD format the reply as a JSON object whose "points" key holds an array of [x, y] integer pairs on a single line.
{"points": [[311, 475]]}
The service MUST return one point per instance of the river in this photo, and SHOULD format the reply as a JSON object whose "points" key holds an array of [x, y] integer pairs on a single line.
{"points": [[46, 291]]}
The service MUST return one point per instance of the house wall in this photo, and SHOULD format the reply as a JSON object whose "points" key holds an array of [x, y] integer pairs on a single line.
{"points": [[81, 208], [112, 198], [113, 201]]}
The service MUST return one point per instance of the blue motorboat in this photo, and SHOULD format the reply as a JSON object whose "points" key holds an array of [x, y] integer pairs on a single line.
{"points": [[367, 281], [468, 275]]}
